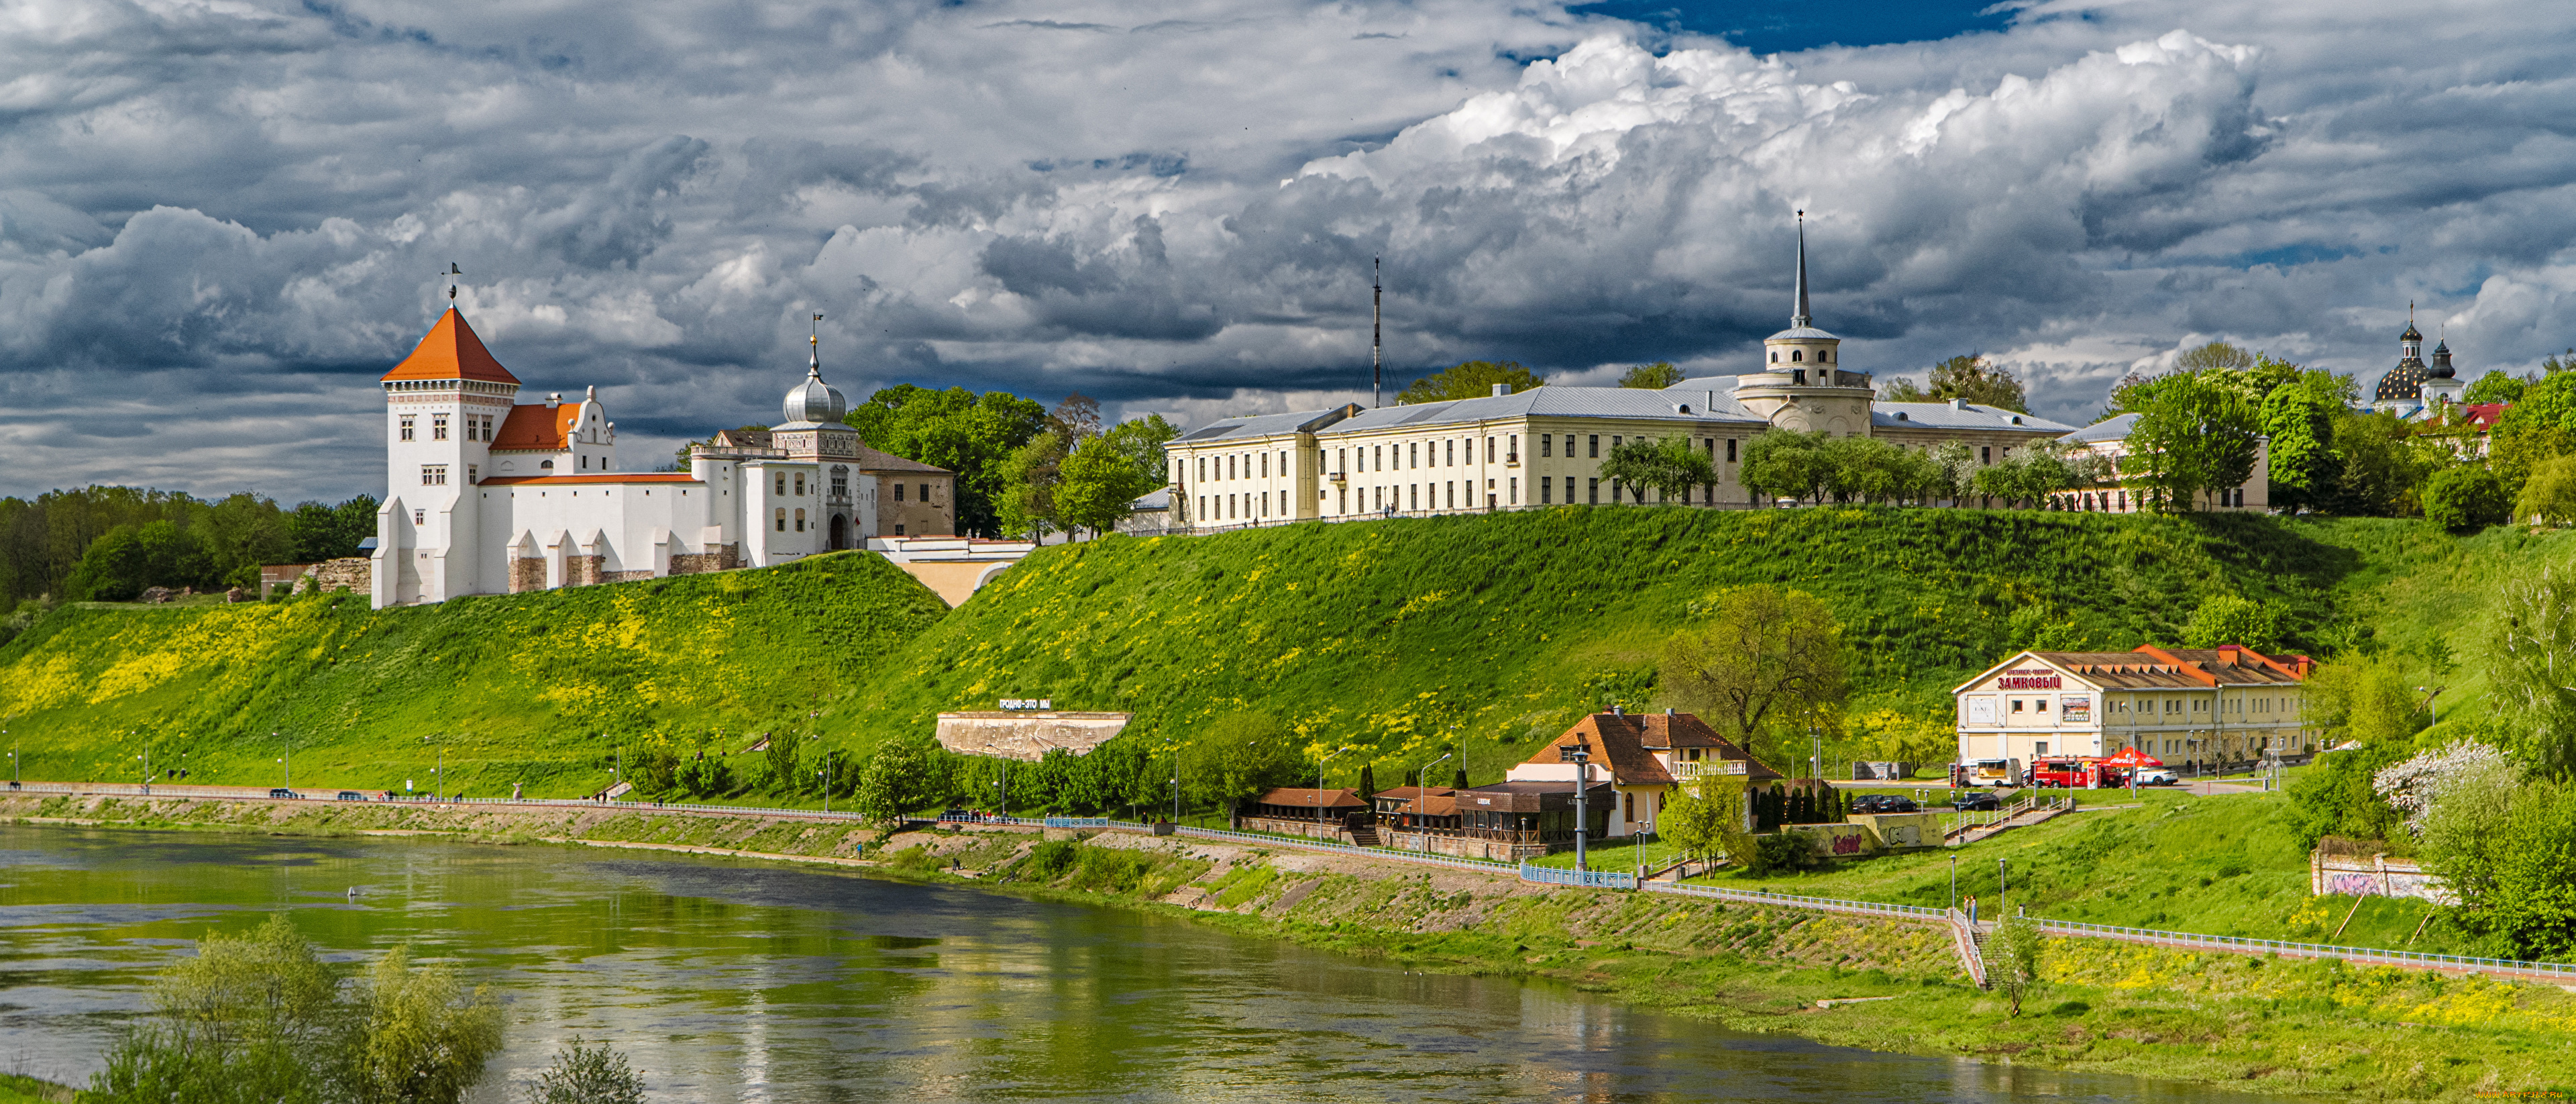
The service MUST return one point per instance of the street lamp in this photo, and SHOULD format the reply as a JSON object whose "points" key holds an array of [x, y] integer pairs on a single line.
{"points": [[1423, 782], [1954, 881], [1319, 787], [1582, 820]]}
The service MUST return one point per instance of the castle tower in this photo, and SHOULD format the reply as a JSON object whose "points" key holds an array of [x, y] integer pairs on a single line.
{"points": [[442, 404], [1802, 384]]}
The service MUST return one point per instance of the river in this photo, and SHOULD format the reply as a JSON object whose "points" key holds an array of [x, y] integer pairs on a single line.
{"points": [[729, 981]]}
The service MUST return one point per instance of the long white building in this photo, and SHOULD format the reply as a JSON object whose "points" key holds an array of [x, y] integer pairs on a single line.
{"points": [[488, 495], [1545, 446]]}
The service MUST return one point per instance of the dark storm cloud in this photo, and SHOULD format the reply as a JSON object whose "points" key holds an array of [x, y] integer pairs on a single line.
{"points": [[222, 219]]}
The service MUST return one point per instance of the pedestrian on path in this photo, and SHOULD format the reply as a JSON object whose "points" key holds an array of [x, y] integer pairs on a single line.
{"points": [[1972, 910]]}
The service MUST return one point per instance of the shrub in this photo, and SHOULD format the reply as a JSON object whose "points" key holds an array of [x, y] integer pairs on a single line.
{"points": [[1050, 860], [2465, 499], [586, 1074], [1782, 853]]}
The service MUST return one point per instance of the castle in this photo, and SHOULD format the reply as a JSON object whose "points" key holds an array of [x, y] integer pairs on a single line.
{"points": [[488, 495]]}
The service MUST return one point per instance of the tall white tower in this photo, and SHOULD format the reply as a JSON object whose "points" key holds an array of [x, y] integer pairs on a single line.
{"points": [[1801, 384], [442, 405]]}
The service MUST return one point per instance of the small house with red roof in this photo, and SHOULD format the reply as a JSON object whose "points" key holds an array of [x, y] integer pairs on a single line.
{"points": [[489, 495], [1641, 757]]}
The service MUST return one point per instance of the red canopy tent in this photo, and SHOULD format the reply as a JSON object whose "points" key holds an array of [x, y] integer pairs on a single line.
{"points": [[2132, 757]]}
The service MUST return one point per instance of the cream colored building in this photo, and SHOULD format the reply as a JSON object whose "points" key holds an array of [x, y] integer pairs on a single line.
{"points": [[1545, 446], [2218, 705]]}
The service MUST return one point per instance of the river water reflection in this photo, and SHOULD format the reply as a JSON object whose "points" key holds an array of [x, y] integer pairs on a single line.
{"points": [[732, 982]]}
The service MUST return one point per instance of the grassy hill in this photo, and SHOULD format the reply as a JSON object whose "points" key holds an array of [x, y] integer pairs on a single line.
{"points": [[513, 688], [1386, 635], [1389, 636]]}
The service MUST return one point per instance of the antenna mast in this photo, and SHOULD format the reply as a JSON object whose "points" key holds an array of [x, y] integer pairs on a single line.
{"points": [[1377, 335]]}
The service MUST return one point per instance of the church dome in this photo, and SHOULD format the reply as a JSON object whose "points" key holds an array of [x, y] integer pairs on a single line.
{"points": [[2442, 362], [815, 400], [2411, 334], [2406, 381]]}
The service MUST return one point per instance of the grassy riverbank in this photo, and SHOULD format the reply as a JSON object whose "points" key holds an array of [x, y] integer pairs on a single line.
{"points": [[2256, 1024]]}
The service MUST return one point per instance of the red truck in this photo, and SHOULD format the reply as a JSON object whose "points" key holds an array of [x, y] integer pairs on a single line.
{"points": [[2071, 772]]}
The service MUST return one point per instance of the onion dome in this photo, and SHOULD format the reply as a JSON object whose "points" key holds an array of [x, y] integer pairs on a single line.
{"points": [[2441, 368], [2411, 334], [815, 400]]}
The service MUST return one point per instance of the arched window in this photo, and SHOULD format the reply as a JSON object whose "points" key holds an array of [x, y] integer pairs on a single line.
{"points": [[1797, 355], [782, 521], [1775, 356], [800, 521], [800, 484], [1826, 355], [780, 489], [547, 465]]}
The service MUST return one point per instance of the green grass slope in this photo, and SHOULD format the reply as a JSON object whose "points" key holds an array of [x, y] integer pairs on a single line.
{"points": [[1385, 635], [512, 688]]}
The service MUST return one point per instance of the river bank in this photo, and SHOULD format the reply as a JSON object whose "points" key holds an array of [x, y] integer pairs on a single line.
{"points": [[2301, 1029]]}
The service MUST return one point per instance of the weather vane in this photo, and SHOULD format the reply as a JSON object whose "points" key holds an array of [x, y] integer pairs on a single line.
{"points": [[452, 270]]}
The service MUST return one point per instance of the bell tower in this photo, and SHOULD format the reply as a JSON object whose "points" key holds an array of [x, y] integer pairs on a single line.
{"points": [[1801, 384]]}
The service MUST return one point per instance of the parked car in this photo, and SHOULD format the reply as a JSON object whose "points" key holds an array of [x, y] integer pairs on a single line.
{"points": [[2156, 776], [282, 792], [1977, 800], [352, 795], [1884, 803]]}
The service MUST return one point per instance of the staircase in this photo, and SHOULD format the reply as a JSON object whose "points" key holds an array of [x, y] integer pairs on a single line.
{"points": [[1970, 941], [1365, 835]]}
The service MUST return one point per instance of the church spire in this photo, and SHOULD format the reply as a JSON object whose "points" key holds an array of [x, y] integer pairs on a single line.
{"points": [[1801, 319]]}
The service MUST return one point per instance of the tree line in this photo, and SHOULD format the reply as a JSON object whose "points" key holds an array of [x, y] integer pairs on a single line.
{"points": [[109, 543]]}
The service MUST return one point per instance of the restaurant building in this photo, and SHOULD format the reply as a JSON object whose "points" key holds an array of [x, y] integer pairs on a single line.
{"points": [[2185, 706]]}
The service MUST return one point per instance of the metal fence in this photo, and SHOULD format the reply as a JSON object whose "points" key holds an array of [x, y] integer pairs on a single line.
{"points": [[1820, 904], [1451, 861], [2558, 970], [1587, 879]]}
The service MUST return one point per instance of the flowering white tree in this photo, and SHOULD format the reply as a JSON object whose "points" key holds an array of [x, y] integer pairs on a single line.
{"points": [[2413, 786]]}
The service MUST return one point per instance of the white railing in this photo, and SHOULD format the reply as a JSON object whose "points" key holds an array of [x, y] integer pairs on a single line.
{"points": [[2242, 944], [1819, 904], [1583, 879], [1453, 861]]}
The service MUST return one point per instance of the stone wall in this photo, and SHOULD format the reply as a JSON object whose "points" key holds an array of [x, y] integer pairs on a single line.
{"points": [[724, 558], [1468, 847], [527, 574], [583, 570], [624, 576], [354, 572]]}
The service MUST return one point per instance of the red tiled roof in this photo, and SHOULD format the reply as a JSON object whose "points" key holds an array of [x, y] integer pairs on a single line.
{"points": [[534, 427], [1306, 798], [450, 351], [1626, 742], [579, 480]]}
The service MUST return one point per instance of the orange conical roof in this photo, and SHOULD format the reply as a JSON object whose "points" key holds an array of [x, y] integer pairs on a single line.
{"points": [[451, 351]]}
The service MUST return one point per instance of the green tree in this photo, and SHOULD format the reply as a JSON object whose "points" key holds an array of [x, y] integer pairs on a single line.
{"points": [[2217, 356], [894, 781], [1105, 475], [957, 429], [2465, 499], [1670, 466], [2229, 619], [2383, 466], [1953, 471], [2194, 438], [785, 772], [2495, 387], [2012, 959], [126, 561], [421, 1038], [2030, 473], [1651, 377], [1972, 377], [1030, 476], [1474, 379], [2549, 495], [2532, 648], [587, 1073], [1240, 756], [2303, 467], [1787, 463], [1764, 655]]}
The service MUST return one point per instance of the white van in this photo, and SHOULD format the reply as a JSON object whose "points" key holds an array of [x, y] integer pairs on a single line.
{"points": [[1998, 773]]}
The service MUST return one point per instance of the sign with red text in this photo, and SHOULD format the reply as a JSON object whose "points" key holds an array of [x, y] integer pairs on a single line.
{"points": [[2035, 678]]}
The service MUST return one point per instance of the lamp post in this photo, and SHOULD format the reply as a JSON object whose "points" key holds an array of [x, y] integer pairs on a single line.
{"points": [[1423, 782], [1582, 820], [2001, 868], [1954, 881], [1319, 787]]}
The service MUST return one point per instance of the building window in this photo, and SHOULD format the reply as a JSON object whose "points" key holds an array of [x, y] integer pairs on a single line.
{"points": [[1591, 490], [898, 530], [433, 475], [840, 482], [2040, 706], [1202, 467], [1453, 494], [1202, 506], [1986, 454], [420, 517], [1489, 450], [1512, 491], [782, 521], [1797, 356], [1547, 444], [1594, 452], [800, 484], [1775, 356], [473, 473], [925, 492], [438, 427], [898, 492], [779, 481], [1512, 448], [406, 432], [800, 521], [1229, 467], [1450, 452], [1547, 492], [487, 429], [2016, 705]]}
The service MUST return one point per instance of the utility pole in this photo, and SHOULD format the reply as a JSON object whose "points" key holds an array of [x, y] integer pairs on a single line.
{"points": [[2002, 866]]}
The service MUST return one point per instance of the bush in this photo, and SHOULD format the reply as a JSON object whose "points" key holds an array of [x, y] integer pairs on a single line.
{"points": [[2465, 499], [1050, 860], [1782, 853], [586, 1074]]}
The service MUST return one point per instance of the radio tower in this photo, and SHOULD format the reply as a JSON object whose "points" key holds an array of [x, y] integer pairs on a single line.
{"points": [[1377, 336]]}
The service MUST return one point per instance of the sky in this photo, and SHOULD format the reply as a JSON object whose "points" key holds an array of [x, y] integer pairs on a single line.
{"points": [[222, 220]]}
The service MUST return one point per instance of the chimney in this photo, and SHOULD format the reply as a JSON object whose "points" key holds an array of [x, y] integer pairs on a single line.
{"points": [[1618, 711], [554, 400], [1668, 711], [1958, 404], [1502, 389]]}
